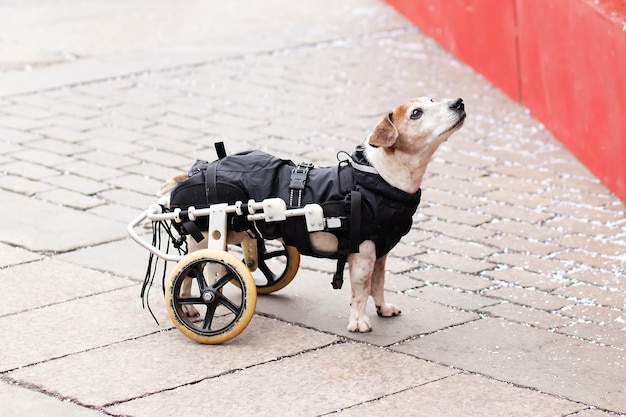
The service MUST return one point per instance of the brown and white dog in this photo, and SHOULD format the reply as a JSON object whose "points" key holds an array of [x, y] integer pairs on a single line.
{"points": [[399, 149]]}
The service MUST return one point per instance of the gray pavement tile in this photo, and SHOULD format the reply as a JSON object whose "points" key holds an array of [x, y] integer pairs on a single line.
{"points": [[75, 326], [530, 357], [22, 402], [124, 258], [10, 255], [472, 395], [311, 301], [314, 383], [452, 297], [46, 227], [49, 281], [70, 199], [164, 361]]}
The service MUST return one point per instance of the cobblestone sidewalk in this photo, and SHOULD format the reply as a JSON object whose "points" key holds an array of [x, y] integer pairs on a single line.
{"points": [[511, 282]]}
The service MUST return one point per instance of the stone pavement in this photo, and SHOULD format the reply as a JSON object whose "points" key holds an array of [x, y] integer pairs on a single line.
{"points": [[511, 282]]}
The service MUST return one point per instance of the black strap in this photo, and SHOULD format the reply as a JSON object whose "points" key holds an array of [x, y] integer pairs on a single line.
{"points": [[297, 182], [220, 149], [355, 221], [338, 276]]}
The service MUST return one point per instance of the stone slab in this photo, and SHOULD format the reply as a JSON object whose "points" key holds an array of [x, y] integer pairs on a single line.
{"points": [[46, 227], [313, 383], [550, 362], [21, 402], [48, 282], [164, 361], [75, 326], [473, 396], [311, 301]]}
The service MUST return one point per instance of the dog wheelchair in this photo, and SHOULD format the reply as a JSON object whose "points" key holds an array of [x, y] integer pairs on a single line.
{"points": [[198, 298]]}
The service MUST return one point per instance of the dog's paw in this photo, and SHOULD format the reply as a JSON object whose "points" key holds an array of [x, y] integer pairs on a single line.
{"points": [[388, 310], [360, 325], [190, 311]]}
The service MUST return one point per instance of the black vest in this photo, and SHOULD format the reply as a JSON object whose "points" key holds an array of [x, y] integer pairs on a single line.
{"points": [[386, 212]]}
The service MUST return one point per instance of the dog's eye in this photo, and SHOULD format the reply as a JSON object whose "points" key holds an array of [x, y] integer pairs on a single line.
{"points": [[416, 113]]}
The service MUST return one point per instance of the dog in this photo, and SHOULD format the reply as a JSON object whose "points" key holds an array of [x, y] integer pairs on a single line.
{"points": [[390, 163]]}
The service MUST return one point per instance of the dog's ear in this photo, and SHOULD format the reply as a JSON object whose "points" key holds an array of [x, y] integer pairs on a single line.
{"points": [[385, 134]]}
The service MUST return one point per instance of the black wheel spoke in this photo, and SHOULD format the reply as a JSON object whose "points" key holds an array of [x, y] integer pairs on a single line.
{"points": [[229, 276], [189, 300], [267, 272], [198, 270], [228, 304], [272, 254], [208, 317]]}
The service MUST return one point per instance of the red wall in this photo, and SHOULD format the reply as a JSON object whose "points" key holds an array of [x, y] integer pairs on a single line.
{"points": [[563, 59]]}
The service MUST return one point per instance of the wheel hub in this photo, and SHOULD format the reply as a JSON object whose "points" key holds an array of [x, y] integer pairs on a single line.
{"points": [[208, 296]]}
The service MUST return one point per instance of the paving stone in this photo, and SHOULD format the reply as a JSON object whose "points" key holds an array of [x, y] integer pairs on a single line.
{"points": [[46, 159], [525, 278], [508, 242], [455, 262], [10, 255], [81, 376], [140, 201], [59, 221], [481, 397], [531, 263], [70, 199], [96, 321], [19, 401], [609, 335], [453, 279], [515, 212], [451, 297], [108, 159], [90, 170], [137, 183], [62, 133], [319, 388], [527, 315], [614, 297], [530, 298], [123, 258], [49, 281], [456, 230], [526, 356], [311, 301], [58, 146], [22, 185], [600, 315], [78, 184], [459, 247], [28, 170], [583, 259]]}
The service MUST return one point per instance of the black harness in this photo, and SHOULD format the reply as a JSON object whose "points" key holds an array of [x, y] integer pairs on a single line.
{"points": [[358, 203]]}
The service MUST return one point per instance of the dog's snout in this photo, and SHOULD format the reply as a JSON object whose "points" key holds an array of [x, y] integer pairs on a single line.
{"points": [[457, 104]]}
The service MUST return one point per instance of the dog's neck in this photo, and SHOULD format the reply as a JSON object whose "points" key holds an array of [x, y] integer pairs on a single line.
{"points": [[400, 169]]}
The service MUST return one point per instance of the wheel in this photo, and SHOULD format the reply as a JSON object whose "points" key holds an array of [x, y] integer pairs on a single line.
{"points": [[199, 302], [276, 267]]}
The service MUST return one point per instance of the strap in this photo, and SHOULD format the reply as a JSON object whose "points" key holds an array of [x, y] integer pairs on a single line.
{"points": [[355, 222], [210, 182], [337, 281], [220, 149], [297, 183]]}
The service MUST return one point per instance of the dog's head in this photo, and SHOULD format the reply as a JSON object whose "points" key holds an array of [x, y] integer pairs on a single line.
{"points": [[419, 123]]}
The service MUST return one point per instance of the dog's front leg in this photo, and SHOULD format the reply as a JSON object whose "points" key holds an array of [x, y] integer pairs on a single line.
{"points": [[361, 268], [383, 309]]}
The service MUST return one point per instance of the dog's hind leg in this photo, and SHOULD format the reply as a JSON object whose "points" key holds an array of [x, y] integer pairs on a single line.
{"points": [[383, 309]]}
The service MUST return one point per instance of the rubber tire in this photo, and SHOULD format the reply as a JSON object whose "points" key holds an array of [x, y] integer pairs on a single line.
{"points": [[242, 277], [291, 269], [288, 274]]}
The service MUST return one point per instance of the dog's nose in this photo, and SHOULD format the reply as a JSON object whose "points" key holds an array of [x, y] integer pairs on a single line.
{"points": [[457, 104]]}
